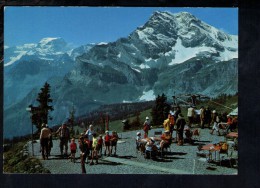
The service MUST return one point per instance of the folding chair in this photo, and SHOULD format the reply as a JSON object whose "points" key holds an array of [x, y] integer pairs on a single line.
{"points": [[196, 134]]}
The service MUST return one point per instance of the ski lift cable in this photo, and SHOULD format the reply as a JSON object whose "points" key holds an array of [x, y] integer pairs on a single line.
{"points": [[222, 105], [183, 101]]}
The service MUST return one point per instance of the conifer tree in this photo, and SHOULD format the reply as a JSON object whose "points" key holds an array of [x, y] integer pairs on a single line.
{"points": [[44, 98], [160, 110]]}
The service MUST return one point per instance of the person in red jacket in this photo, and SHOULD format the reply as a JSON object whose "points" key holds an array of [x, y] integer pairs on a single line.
{"points": [[107, 143], [100, 144], [73, 149], [113, 142]]}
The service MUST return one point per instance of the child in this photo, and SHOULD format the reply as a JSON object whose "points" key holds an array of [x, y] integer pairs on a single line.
{"points": [[100, 144], [73, 149], [107, 143], [94, 149]]}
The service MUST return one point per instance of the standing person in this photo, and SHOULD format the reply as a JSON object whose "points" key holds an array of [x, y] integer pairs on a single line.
{"points": [[167, 124], [177, 112], [107, 143], [180, 123], [190, 115], [114, 139], [44, 139], [73, 149], [215, 121], [89, 133], [138, 140], [50, 143], [100, 145], [202, 117], [207, 116], [172, 122], [146, 127], [64, 134], [229, 123], [84, 152], [94, 149]]}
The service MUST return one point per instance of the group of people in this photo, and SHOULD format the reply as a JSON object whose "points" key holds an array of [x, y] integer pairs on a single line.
{"points": [[90, 145], [46, 140], [151, 145], [207, 118]]}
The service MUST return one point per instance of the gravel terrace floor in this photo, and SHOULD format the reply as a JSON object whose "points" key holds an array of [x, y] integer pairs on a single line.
{"points": [[179, 160]]}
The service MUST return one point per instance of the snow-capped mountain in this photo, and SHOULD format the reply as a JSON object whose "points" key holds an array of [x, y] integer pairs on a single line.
{"points": [[170, 53], [30, 65], [46, 49]]}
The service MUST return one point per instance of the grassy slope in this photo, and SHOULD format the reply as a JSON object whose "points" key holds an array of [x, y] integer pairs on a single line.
{"points": [[231, 102], [16, 162]]}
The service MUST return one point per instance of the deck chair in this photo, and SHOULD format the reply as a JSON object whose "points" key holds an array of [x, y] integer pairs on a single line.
{"points": [[223, 153], [229, 153]]}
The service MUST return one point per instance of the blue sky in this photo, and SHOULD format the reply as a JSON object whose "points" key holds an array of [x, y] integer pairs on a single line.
{"points": [[83, 25]]}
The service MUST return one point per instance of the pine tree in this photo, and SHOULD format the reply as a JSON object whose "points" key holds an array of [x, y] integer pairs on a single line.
{"points": [[160, 110], [44, 99]]}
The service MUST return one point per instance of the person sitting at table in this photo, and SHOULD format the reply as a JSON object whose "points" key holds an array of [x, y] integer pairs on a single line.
{"points": [[166, 139], [150, 148], [188, 133]]}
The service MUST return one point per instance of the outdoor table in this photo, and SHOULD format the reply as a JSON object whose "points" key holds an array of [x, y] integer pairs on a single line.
{"points": [[232, 135], [211, 148]]}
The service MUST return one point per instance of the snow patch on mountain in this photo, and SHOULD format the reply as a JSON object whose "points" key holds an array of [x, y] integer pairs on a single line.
{"points": [[136, 70], [144, 37], [183, 54], [16, 58], [144, 66], [147, 96], [45, 41], [102, 43]]}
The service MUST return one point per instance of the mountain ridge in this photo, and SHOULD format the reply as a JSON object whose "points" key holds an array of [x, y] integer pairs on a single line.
{"points": [[170, 53]]}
